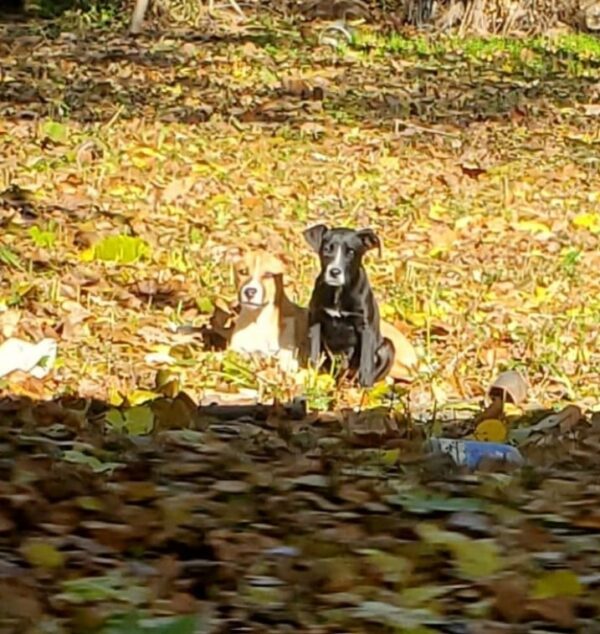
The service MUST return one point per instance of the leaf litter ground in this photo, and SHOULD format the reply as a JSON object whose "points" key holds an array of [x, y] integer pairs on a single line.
{"points": [[478, 164]]}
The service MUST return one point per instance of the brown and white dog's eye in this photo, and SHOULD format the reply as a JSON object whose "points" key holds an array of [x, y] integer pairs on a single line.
{"points": [[243, 271], [268, 276]]}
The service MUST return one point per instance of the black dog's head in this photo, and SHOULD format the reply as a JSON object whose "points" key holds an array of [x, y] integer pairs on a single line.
{"points": [[341, 251]]}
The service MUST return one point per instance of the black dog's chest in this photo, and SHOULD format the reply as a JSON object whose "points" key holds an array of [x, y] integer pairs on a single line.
{"points": [[340, 331]]}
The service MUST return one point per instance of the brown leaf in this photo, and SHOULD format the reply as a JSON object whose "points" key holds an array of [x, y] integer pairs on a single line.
{"points": [[297, 87], [19, 601], [72, 325], [9, 321], [6, 524], [177, 188], [591, 109], [22, 384], [570, 417], [557, 610], [510, 592]]}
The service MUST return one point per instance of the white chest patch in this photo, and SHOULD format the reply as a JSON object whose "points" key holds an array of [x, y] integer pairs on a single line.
{"points": [[333, 312]]}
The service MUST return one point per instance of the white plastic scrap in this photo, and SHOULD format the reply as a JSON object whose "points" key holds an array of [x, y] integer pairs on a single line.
{"points": [[36, 359]]}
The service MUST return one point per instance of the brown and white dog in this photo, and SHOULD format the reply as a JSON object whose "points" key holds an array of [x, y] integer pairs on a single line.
{"points": [[405, 357], [269, 323]]}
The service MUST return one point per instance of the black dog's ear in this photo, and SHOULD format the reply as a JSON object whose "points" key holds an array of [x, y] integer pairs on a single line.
{"points": [[369, 239], [314, 236]]}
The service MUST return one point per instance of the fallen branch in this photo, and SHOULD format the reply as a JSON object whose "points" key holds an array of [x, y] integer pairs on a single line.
{"points": [[137, 17]]}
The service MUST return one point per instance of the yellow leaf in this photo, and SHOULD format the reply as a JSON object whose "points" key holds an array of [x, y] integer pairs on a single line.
{"points": [[433, 534], [387, 311], [464, 221], [589, 221], [118, 190], [139, 162], [541, 293], [560, 583], [150, 151], [393, 568], [42, 555], [533, 226], [137, 397], [114, 398], [438, 212], [390, 162], [390, 457], [87, 255], [491, 430], [417, 319], [510, 409], [477, 558]]}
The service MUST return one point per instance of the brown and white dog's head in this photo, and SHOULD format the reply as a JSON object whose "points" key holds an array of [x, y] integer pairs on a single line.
{"points": [[259, 279]]}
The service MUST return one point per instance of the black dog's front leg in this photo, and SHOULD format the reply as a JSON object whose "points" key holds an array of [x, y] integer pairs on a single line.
{"points": [[314, 335], [366, 370]]}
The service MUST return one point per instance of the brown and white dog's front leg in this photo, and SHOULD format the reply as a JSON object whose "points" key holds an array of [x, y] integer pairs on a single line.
{"points": [[384, 359]]}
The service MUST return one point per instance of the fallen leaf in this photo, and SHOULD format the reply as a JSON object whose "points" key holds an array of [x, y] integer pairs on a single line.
{"points": [[477, 559], [510, 592], [558, 610], [559, 583], [491, 430], [42, 554]]}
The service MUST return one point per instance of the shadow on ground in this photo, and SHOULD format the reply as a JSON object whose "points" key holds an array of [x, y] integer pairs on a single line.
{"points": [[192, 77]]}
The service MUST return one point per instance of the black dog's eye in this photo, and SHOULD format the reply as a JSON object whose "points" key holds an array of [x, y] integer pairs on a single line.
{"points": [[328, 248], [350, 252]]}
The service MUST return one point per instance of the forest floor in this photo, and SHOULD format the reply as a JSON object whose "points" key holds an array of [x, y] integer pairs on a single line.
{"points": [[475, 160]]}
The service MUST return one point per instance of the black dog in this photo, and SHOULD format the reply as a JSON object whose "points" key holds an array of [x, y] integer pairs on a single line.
{"points": [[343, 314]]}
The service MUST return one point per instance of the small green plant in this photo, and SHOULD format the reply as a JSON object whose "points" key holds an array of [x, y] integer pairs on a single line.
{"points": [[570, 260], [92, 12], [319, 388], [44, 238], [120, 249], [137, 624], [237, 371], [56, 131], [111, 587], [177, 260], [10, 258]]}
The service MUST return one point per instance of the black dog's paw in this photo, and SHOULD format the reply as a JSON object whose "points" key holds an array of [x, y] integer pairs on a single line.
{"points": [[365, 379]]}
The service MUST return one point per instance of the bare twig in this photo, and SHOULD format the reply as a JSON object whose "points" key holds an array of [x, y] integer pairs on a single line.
{"points": [[137, 17]]}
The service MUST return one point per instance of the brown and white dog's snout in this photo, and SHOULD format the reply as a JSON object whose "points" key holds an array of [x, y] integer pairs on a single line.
{"points": [[252, 294], [258, 277]]}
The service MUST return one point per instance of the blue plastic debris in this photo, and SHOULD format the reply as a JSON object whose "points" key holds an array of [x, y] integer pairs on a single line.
{"points": [[470, 453]]}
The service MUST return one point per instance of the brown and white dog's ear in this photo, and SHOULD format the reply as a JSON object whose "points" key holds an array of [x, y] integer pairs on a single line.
{"points": [[314, 236], [235, 258], [265, 262], [232, 255], [276, 266], [369, 239]]}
